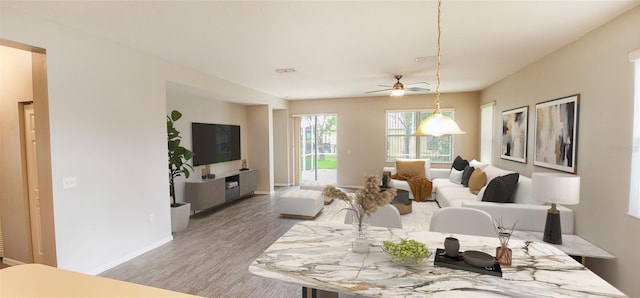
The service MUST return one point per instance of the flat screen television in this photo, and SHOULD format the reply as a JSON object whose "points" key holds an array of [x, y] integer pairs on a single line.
{"points": [[214, 143]]}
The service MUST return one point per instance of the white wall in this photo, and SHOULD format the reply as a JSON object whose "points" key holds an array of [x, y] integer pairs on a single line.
{"points": [[206, 110], [596, 66], [260, 157], [282, 148], [362, 128], [107, 108]]}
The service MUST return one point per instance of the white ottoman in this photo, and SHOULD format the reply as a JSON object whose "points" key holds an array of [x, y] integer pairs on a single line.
{"points": [[301, 203], [318, 186]]}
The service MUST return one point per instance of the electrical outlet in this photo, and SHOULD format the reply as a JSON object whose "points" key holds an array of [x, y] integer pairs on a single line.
{"points": [[69, 182], [152, 218]]}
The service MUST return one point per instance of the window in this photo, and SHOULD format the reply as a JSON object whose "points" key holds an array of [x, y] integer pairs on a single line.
{"points": [[634, 193], [402, 144], [486, 132]]}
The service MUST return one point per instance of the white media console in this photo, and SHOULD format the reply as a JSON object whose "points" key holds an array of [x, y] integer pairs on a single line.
{"points": [[225, 188]]}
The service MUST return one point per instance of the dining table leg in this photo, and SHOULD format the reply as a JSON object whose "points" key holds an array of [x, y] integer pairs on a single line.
{"points": [[314, 292]]}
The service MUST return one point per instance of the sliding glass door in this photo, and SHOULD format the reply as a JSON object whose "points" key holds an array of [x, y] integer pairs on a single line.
{"points": [[318, 146]]}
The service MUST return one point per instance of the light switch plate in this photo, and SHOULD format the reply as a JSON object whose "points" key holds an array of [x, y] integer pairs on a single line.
{"points": [[69, 182]]}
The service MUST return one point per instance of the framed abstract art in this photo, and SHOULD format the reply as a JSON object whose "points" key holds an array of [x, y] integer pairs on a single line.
{"points": [[556, 134], [514, 134]]}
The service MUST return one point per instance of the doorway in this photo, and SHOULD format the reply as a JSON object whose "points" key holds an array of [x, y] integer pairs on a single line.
{"points": [[33, 192], [318, 139], [28, 229]]}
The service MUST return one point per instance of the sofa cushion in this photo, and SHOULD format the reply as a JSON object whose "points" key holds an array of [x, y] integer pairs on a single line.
{"points": [[477, 181], [466, 174], [411, 168], [459, 163], [476, 164], [454, 196], [455, 176], [481, 193], [427, 166], [493, 172], [501, 188], [523, 193]]}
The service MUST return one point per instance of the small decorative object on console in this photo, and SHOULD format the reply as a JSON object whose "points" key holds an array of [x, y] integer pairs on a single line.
{"points": [[244, 165], [209, 174]]}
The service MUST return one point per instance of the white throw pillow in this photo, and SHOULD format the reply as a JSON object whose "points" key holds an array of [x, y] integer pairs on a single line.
{"points": [[455, 176], [481, 193], [476, 164]]}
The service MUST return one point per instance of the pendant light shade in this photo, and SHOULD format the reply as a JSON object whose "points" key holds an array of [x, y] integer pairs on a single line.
{"points": [[438, 124]]}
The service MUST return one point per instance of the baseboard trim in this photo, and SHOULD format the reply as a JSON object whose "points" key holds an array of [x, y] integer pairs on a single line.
{"points": [[130, 256], [11, 262], [282, 184]]}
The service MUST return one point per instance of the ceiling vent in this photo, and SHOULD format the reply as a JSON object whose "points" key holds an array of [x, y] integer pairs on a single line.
{"points": [[285, 70]]}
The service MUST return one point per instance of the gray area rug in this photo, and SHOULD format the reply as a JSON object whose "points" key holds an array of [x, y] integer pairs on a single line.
{"points": [[418, 219]]}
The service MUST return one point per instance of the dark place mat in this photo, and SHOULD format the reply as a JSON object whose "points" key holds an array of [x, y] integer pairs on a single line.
{"points": [[458, 263]]}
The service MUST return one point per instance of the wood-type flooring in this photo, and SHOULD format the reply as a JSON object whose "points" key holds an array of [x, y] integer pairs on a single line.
{"points": [[211, 258]]}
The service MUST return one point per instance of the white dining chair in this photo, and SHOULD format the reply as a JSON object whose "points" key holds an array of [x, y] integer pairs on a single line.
{"points": [[462, 220], [385, 216]]}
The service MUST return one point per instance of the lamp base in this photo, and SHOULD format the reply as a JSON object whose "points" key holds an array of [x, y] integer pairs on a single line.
{"points": [[552, 230]]}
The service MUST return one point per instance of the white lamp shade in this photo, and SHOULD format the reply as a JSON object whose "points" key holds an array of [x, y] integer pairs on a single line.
{"points": [[437, 125], [556, 188]]}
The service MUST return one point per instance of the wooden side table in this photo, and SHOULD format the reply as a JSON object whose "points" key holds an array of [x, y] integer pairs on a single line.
{"points": [[402, 202]]}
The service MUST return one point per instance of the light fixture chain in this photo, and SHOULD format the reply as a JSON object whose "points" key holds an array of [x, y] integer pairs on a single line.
{"points": [[437, 110]]}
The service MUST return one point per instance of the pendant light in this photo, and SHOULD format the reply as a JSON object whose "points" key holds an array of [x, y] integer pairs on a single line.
{"points": [[438, 124]]}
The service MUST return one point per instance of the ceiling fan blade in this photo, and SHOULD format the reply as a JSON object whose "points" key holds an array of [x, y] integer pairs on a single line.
{"points": [[378, 90], [417, 89], [417, 83], [388, 86]]}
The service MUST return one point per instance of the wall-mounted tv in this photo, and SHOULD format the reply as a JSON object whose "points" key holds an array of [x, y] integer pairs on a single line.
{"points": [[214, 143]]}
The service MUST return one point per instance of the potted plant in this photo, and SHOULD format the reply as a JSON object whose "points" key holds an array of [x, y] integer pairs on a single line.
{"points": [[178, 157]]}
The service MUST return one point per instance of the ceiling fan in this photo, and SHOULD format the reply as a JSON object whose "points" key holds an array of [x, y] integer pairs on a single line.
{"points": [[398, 89]]}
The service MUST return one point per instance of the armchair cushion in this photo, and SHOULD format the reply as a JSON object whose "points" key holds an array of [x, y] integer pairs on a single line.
{"points": [[411, 168]]}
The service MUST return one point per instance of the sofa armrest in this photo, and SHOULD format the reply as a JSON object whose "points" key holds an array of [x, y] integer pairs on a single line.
{"points": [[440, 173], [530, 217], [389, 169]]}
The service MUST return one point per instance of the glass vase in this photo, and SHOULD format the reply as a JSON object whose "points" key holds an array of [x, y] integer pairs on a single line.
{"points": [[503, 255], [361, 241]]}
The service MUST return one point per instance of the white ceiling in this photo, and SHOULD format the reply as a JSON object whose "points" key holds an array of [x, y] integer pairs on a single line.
{"points": [[338, 48]]}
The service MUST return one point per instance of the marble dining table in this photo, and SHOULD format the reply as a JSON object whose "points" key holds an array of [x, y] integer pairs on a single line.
{"points": [[319, 255]]}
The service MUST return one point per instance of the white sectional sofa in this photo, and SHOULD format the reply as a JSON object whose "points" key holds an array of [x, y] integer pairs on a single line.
{"points": [[530, 213]]}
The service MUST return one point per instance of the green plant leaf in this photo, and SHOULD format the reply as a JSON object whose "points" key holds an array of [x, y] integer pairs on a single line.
{"points": [[175, 115]]}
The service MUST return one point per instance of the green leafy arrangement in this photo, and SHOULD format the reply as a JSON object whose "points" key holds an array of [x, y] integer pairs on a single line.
{"points": [[406, 252]]}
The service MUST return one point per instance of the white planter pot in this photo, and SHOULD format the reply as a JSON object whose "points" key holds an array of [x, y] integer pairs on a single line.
{"points": [[180, 217]]}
